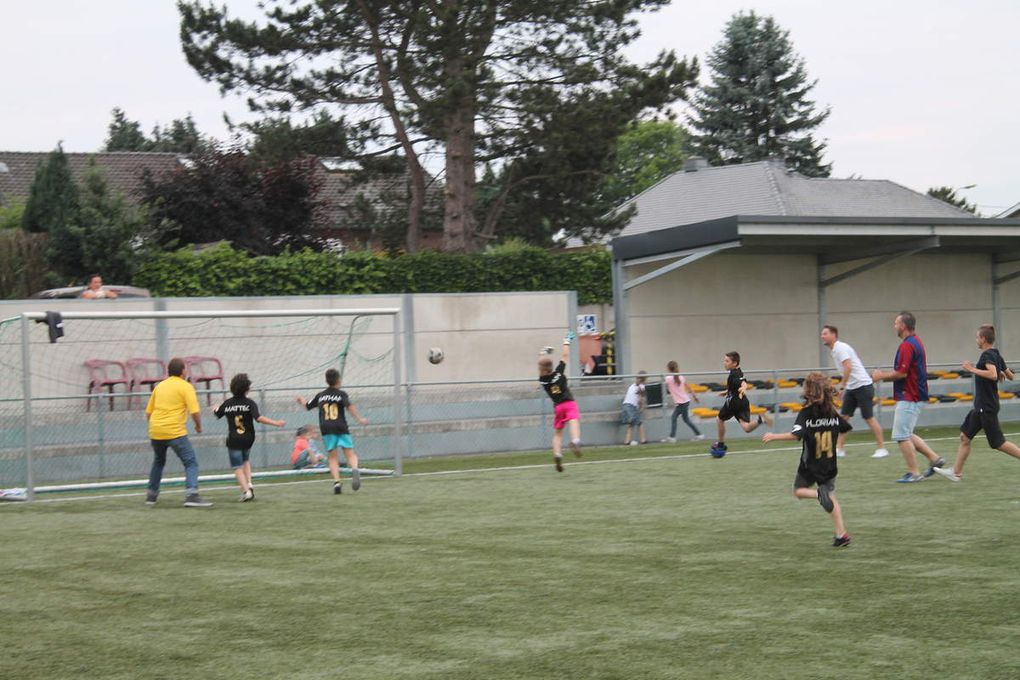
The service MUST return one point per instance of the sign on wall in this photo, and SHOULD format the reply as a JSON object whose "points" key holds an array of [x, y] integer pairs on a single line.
{"points": [[587, 324]]}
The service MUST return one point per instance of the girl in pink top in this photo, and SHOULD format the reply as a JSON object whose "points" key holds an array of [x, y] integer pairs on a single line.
{"points": [[681, 393]]}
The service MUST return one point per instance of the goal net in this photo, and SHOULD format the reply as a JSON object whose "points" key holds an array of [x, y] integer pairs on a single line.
{"points": [[72, 411]]}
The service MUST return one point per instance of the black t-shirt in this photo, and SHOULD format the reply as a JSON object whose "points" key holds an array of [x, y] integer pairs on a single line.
{"points": [[241, 414], [986, 392], [818, 431], [733, 382], [555, 384], [332, 404]]}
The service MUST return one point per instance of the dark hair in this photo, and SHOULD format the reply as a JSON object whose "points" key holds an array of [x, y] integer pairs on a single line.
{"points": [[734, 357], [908, 320], [303, 430], [93, 276], [672, 367], [818, 389], [833, 329], [240, 384], [987, 333], [332, 377], [545, 364], [175, 366]]}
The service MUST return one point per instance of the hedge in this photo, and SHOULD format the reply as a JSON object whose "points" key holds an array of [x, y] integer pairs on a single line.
{"points": [[225, 271]]}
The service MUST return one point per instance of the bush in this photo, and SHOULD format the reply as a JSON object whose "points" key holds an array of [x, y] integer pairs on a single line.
{"points": [[225, 271], [22, 263]]}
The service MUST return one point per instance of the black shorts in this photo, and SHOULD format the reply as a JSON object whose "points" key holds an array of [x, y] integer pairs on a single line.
{"points": [[982, 420], [862, 398], [736, 408], [807, 477]]}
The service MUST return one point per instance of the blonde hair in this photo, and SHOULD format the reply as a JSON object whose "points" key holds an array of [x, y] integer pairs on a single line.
{"points": [[819, 391]]}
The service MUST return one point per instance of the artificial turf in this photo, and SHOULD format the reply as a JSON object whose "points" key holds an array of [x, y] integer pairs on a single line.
{"points": [[633, 564]]}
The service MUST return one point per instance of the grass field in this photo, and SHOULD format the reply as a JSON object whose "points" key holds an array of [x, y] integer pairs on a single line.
{"points": [[634, 564]]}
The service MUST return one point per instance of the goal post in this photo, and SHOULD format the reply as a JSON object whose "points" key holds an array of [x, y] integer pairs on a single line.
{"points": [[72, 413]]}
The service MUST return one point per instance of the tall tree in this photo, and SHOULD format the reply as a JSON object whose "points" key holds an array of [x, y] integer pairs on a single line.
{"points": [[949, 195], [108, 229], [757, 104], [53, 198], [125, 134], [179, 136], [428, 76], [277, 139], [650, 150]]}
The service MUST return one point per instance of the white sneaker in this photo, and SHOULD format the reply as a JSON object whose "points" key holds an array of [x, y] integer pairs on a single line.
{"points": [[948, 473], [699, 437], [880, 453], [669, 440], [840, 453], [633, 443]]}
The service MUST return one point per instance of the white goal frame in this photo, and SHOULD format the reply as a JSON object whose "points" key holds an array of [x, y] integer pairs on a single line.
{"points": [[28, 318]]}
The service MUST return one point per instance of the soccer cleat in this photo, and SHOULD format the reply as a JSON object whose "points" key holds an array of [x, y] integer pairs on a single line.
{"points": [[633, 442], [824, 499], [193, 500], [151, 497], [248, 495], [355, 478], [558, 460], [909, 477], [251, 490], [949, 473], [939, 462], [880, 453], [841, 541], [840, 453], [338, 488], [575, 446]]}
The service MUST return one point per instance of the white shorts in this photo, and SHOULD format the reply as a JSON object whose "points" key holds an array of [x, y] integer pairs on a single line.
{"points": [[905, 419]]}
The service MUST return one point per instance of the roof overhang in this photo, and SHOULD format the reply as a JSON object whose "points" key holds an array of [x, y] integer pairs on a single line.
{"points": [[835, 239]]}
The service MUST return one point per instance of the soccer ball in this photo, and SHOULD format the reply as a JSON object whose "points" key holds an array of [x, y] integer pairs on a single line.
{"points": [[435, 355], [717, 451]]}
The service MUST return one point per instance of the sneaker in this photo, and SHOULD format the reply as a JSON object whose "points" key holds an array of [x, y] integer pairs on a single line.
{"points": [[669, 440], [338, 488], [248, 495], [698, 437], [575, 446], [355, 478], [824, 499], [949, 473], [633, 443], [841, 541], [251, 490], [558, 460], [909, 477], [939, 462], [880, 453], [840, 453], [151, 497], [193, 500]]}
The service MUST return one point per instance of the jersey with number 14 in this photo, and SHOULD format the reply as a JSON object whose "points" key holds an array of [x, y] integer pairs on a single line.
{"points": [[241, 413], [818, 432], [332, 404]]}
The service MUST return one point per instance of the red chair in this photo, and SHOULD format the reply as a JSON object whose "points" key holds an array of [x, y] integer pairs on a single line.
{"points": [[204, 370], [141, 372], [106, 374]]}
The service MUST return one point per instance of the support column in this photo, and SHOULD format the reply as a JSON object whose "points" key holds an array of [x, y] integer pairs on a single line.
{"points": [[620, 318]]}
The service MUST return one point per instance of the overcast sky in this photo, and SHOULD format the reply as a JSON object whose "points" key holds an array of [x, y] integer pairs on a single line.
{"points": [[922, 93]]}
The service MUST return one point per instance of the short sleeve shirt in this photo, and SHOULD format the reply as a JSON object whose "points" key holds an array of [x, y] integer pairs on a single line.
{"points": [[818, 432], [332, 404], [241, 413], [859, 377], [555, 384], [986, 392], [633, 396], [677, 386], [733, 381], [169, 405], [910, 359]]}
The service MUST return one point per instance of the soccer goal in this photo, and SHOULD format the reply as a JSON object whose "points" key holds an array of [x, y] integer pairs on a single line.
{"points": [[72, 410]]}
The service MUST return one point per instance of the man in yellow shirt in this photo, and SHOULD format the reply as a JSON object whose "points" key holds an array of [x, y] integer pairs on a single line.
{"points": [[171, 402]]}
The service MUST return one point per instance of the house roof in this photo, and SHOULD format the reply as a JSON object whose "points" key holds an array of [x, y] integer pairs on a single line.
{"points": [[767, 188], [1012, 211], [123, 170]]}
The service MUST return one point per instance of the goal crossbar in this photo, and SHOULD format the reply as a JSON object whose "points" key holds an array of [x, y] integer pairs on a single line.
{"points": [[223, 314]]}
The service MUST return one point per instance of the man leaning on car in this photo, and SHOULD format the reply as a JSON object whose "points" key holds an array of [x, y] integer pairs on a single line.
{"points": [[95, 290]]}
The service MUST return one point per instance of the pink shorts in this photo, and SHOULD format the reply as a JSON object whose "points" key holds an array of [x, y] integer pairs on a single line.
{"points": [[565, 411]]}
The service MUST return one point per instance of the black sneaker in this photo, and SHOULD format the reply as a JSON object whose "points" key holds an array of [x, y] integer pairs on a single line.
{"points": [[559, 463], [937, 464], [151, 497], [193, 500], [824, 499], [338, 488], [841, 541], [355, 478]]}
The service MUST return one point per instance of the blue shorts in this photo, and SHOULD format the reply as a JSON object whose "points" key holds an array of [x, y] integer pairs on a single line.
{"points": [[332, 441], [905, 419], [631, 415], [238, 457]]}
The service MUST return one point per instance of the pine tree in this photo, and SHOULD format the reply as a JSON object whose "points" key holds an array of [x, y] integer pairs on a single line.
{"points": [[53, 198], [757, 105], [124, 134], [108, 231], [949, 195]]}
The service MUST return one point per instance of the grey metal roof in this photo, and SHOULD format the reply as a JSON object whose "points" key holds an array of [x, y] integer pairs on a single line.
{"points": [[767, 188]]}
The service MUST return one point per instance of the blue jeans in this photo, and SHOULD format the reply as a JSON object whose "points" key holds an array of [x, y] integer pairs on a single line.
{"points": [[182, 447], [681, 410]]}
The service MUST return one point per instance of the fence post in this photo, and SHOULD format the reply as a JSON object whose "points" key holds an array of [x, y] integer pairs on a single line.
{"points": [[263, 444], [26, 393], [101, 434], [665, 409], [397, 439]]}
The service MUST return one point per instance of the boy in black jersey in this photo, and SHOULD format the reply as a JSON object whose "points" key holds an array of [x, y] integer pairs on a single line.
{"points": [[736, 405], [332, 402], [818, 428], [243, 413], [564, 407], [990, 369]]}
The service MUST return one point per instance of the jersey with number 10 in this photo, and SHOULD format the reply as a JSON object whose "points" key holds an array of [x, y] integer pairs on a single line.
{"points": [[818, 432], [241, 413], [332, 403]]}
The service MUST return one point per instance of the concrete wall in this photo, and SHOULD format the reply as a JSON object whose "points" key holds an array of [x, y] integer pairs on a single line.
{"points": [[766, 307]]}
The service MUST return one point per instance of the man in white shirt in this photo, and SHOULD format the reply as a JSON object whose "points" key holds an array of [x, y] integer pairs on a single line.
{"points": [[856, 389]]}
